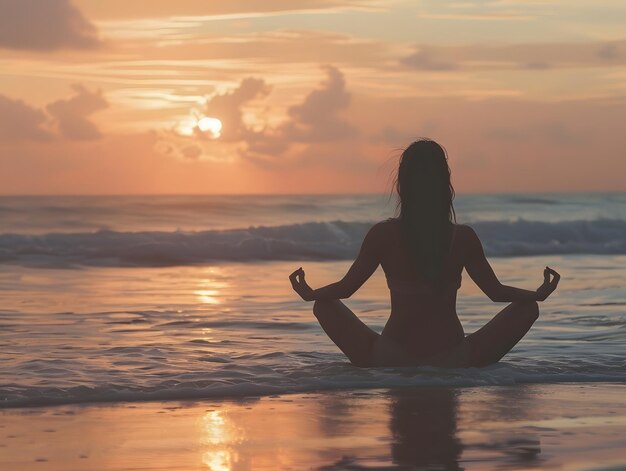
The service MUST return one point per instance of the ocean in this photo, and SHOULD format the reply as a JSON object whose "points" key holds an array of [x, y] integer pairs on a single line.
{"points": [[129, 298]]}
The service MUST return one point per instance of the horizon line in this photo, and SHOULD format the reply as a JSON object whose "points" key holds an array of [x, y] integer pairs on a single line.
{"points": [[392, 193]]}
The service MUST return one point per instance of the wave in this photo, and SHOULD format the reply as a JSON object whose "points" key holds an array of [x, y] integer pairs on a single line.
{"points": [[533, 200], [334, 240], [266, 381]]}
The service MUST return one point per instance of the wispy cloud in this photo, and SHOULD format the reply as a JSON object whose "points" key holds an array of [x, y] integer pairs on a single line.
{"points": [[232, 9], [533, 56], [275, 46], [500, 16], [424, 58]]}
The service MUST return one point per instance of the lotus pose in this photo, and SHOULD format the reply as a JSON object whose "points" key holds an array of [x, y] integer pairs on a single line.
{"points": [[423, 252]]}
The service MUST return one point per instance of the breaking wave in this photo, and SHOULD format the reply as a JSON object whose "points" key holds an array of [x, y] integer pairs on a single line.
{"points": [[264, 381], [334, 240]]}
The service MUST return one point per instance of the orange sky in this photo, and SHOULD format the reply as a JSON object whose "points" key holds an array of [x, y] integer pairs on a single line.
{"points": [[314, 96]]}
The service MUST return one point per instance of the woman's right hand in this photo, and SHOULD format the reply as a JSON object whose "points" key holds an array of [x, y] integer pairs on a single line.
{"points": [[549, 285], [300, 286]]}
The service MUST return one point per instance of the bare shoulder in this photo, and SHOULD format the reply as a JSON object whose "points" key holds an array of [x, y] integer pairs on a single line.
{"points": [[382, 230], [384, 227], [469, 241], [465, 232]]}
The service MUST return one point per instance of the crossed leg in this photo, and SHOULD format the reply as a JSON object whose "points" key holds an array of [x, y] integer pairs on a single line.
{"points": [[349, 333], [496, 338], [484, 347]]}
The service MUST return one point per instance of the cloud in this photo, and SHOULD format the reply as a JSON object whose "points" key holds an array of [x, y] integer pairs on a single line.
{"points": [[318, 117], [231, 9], [227, 107], [317, 120], [128, 164], [284, 45], [537, 56], [191, 152], [609, 51], [21, 122], [44, 26], [423, 59], [71, 115], [502, 16], [188, 142]]}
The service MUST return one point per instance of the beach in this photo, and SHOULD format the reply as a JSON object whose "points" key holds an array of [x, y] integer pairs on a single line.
{"points": [[162, 333], [566, 426], [166, 166]]}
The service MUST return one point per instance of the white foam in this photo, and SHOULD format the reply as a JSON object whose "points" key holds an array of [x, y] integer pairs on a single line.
{"points": [[320, 377], [334, 240]]}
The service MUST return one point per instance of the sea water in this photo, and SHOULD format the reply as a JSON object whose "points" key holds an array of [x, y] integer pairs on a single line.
{"points": [[116, 298]]}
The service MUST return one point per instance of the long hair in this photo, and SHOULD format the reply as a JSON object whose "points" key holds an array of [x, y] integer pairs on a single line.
{"points": [[425, 200]]}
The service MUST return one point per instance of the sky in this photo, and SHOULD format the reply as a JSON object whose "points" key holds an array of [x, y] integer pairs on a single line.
{"points": [[309, 96]]}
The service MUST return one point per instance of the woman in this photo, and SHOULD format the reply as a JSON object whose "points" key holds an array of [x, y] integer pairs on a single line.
{"points": [[422, 253]]}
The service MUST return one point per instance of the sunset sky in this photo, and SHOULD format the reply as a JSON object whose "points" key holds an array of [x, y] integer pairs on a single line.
{"points": [[313, 96]]}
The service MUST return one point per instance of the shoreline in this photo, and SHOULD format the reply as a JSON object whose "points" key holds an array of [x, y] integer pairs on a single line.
{"points": [[569, 426], [195, 395]]}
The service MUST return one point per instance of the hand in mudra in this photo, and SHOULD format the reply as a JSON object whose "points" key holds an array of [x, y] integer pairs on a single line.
{"points": [[300, 286], [549, 285]]}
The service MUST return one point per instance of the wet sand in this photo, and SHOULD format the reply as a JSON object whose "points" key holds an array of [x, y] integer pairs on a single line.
{"points": [[565, 426]]}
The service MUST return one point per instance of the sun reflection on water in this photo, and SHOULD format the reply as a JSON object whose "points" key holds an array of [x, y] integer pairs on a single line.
{"points": [[207, 296], [210, 289], [221, 435], [218, 460]]}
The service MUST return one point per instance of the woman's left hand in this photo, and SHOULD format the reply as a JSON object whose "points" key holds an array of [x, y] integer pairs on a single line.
{"points": [[299, 285]]}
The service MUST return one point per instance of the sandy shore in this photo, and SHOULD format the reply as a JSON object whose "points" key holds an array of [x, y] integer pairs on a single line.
{"points": [[566, 426]]}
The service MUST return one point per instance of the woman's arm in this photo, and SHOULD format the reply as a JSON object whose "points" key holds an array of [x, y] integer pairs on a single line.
{"points": [[365, 264], [483, 275]]}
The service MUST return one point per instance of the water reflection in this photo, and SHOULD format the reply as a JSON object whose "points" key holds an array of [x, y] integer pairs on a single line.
{"points": [[423, 427], [488, 428], [437, 428], [493, 441], [207, 296], [210, 287], [221, 436]]}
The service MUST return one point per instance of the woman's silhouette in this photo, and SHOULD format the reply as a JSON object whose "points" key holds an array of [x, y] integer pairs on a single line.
{"points": [[422, 253]]}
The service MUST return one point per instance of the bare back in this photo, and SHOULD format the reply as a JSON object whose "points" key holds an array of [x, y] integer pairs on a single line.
{"points": [[423, 319]]}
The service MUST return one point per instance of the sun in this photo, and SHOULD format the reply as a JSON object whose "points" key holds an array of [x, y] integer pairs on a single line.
{"points": [[211, 126]]}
